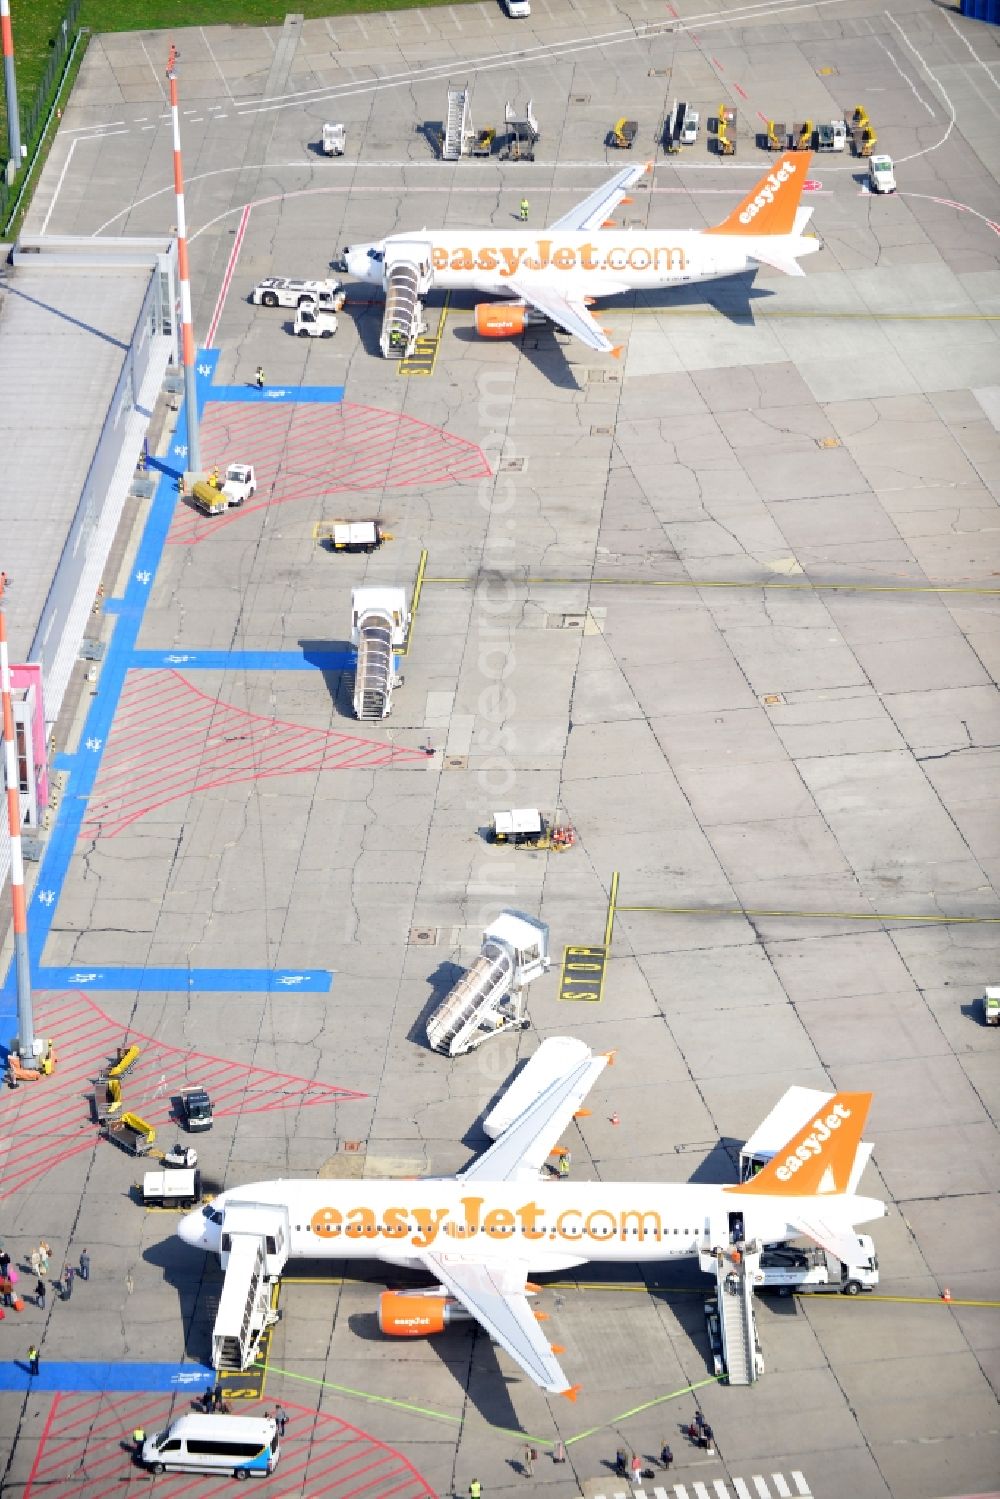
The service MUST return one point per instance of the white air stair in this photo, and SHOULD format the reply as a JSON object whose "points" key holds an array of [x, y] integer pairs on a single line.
{"points": [[489, 998], [458, 125], [408, 276]]}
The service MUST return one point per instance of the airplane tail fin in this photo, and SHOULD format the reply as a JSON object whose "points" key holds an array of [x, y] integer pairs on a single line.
{"points": [[820, 1158], [771, 206]]}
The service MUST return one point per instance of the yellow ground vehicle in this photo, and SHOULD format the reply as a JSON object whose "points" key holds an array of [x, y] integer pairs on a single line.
{"points": [[623, 134]]}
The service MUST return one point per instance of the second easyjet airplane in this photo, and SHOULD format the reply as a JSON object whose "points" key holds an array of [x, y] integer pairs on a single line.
{"points": [[481, 1233], [559, 273]]}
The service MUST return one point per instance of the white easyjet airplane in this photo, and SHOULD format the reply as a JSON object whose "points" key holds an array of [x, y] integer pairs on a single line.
{"points": [[480, 1234], [559, 273]]}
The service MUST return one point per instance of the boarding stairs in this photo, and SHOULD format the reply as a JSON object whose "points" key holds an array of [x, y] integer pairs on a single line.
{"points": [[408, 277], [458, 131], [737, 1323], [523, 131], [373, 682], [254, 1240], [490, 997]]}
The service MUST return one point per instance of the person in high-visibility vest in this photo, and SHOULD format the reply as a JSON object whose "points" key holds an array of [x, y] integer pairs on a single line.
{"points": [[139, 1438], [524, 210], [475, 1489]]}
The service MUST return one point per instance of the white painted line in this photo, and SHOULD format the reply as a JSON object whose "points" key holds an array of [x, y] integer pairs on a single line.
{"points": [[55, 195], [763, 1492], [720, 1489], [742, 1492], [104, 125], [784, 1492], [700, 1491], [965, 42], [937, 84], [802, 1488], [159, 81], [215, 60], [908, 81]]}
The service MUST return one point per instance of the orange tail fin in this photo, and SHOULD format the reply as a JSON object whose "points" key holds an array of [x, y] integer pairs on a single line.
{"points": [[771, 206], [820, 1157]]}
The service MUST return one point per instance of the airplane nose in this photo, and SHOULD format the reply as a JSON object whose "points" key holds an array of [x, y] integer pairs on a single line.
{"points": [[192, 1230]]}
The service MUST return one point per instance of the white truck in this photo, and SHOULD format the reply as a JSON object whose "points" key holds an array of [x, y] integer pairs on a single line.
{"points": [[334, 139], [689, 127], [787, 1268], [832, 136], [163, 1189], [279, 291], [314, 322]]}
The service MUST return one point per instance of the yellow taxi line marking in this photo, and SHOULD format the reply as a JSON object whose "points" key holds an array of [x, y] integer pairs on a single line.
{"points": [[778, 584], [887, 916]]}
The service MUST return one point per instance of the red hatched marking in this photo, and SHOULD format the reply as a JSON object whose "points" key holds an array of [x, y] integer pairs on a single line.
{"points": [[45, 1123], [85, 1450], [741, 91], [170, 740], [303, 450]]}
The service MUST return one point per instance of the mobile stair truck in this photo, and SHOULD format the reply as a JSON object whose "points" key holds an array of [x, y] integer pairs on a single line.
{"points": [[255, 1249], [490, 997], [380, 621]]}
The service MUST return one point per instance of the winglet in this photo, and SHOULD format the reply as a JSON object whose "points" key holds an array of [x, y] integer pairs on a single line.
{"points": [[648, 168], [558, 1347], [572, 1392], [583, 1113], [530, 1289], [610, 1055], [616, 353]]}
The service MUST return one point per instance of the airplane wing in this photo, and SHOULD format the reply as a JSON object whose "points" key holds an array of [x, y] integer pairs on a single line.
{"points": [[495, 1296], [524, 1146], [592, 212], [569, 312]]}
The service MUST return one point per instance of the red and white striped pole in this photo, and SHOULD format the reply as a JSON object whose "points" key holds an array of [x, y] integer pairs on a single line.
{"points": [[10, 86], [187, 330], [28, 1047]]}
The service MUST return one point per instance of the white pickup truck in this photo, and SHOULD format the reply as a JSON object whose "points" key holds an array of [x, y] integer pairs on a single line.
{"points": [[279, 291]]}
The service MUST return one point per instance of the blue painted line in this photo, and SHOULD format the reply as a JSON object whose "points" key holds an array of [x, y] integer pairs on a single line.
{"points": [[85, 763], [307, 660], [284, 395], [113, 606], [101, 1377], [184, 980]]}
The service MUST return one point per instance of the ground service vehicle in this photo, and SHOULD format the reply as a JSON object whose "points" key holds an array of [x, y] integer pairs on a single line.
{"points": [[171, 1188], [623, 134], [517, 9], [245, 1446], [356, 536], [881, 175], [787, 1268], [279, 291], [832, 136], [196, 1109], [214, 496], [314, 322], [689, 127], [334, 140], [991, 1007]]}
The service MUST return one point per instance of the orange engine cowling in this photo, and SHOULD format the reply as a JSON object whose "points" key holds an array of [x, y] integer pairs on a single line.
{"points": [[403, 1316], [500, 319]]}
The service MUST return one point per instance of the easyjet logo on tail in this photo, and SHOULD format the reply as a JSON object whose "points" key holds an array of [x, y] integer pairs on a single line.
{"points": [[771, 206], [820, 1157]]}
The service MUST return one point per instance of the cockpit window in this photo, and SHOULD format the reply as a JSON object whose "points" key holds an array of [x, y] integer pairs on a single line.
{"points": [[211, 1214], [377, 255]]}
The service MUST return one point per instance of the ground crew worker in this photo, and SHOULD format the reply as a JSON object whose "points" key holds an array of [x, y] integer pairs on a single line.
{"points": [[524, 210], [33, 1360], [139, 1438], [666, 1456], [213, 478], [562, 1166], [259, 377], [475, 1489]]}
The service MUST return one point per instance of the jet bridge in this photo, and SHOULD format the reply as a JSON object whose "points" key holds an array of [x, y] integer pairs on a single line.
{"points": [[254, 1248], [408, 275], [380, 619], [490, 997]]}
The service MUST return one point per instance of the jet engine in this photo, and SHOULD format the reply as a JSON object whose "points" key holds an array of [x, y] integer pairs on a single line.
{"points": [[501, 319], [411, 1315]]}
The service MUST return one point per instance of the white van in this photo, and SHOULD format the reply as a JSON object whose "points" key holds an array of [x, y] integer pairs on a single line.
{"points": [[240, 1445], [517, 9]]}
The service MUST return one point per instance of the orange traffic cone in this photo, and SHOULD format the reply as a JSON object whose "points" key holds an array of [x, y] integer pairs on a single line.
{"points": [[946, 1294]]}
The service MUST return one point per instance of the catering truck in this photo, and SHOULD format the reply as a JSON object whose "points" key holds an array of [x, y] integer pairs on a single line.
{"points": [[787, 1268]]}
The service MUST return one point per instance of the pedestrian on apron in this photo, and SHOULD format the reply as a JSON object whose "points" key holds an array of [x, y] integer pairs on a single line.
{"points": [[34, 1361], [84, 1264], [524, 210], [280, 1419], [68, 1275], [40, 1289], [259, 377]]}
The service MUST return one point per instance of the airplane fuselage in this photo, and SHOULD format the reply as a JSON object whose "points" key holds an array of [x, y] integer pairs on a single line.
{"points": [[606, 262], [547, 1225]]}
